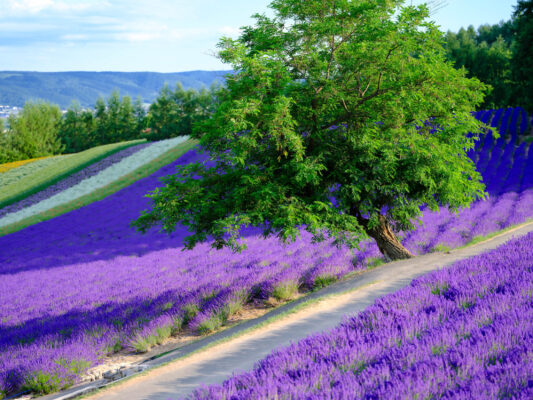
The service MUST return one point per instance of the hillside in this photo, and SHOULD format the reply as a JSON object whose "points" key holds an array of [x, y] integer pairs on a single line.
{"points": [[103, 287], [61, 88]]}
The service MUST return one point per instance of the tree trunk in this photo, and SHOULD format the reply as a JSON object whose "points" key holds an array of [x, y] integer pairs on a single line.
{"points": [[387, 242]]}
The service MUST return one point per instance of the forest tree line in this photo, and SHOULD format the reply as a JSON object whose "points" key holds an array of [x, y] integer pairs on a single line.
{"points": [[41, 129], [499, 55]]}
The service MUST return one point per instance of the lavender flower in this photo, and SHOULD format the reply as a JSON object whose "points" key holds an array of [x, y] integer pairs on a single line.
{"points": [[84, 283]]}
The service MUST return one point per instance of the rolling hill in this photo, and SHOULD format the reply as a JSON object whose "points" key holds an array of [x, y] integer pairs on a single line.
{"points": [[61, 88]]}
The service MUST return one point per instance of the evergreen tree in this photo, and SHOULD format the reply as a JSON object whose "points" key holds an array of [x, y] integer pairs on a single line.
{"points": [[523, 53]]}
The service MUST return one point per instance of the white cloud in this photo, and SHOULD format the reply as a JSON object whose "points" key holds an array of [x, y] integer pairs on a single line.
{"points": [[36, 6], [157, 32], [74, 37], [31, 6], [230, 31]]}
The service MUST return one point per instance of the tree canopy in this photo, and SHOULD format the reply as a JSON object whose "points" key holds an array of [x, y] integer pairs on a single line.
{"points": [[343, 118], [174, 113], [31, 133], [486, 53], [523, 55]]}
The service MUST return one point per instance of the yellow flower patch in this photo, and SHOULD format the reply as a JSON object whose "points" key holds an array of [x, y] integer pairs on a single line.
{"points": [[7, 166]]}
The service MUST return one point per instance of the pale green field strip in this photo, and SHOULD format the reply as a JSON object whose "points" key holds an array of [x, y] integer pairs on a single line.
{"points": [[38, 175], [14, 174], [98, 194]]}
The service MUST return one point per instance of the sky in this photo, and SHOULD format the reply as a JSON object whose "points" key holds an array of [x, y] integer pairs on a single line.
{"points": [[155, 35]]}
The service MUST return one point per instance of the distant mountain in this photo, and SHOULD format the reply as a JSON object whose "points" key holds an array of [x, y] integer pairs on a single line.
{"points": [[61, 88]]}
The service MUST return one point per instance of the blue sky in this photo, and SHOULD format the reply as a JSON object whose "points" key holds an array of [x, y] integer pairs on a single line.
{"points": [[154, 35]]}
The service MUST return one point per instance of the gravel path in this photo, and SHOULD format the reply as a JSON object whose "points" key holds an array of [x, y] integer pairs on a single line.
{"points": [[103, 178], [214, 365], [72, 180]]}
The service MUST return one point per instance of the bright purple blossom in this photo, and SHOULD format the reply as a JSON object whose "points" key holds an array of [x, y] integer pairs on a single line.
{"points": [[77, 286], [462, 332]]}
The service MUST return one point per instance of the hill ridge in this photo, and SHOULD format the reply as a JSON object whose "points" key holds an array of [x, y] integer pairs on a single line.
{"points": [[64, 87]]}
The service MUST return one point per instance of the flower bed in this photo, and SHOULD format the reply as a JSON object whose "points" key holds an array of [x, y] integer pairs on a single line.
{"points": [[29, 179], [463, 332], [98, 180], [72, 180], [87, 284], [16, 164]]}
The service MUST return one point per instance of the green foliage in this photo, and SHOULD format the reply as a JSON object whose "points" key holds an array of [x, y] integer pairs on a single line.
{"points": [[441, 247], [485, 54], [374, 262], [162, 333], [16, 174], [174, 113], [440, 290], [74, 367], [523, 53], [177, 324], [438, 350], [323, 280], [499, 55], [142, 344], [329, 99], [115, 347], [117, 120], [189, 312], [76, 129], [211, 324], [42, 383], [32, 133], [285, 291]]}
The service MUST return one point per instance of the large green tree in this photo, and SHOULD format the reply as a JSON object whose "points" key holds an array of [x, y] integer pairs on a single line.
{"points": [[343, 118]]}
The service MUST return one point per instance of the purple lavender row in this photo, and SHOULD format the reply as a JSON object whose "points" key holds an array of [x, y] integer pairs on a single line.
{"points": [[463, 332], [96, 323], [95, 285], [73, 179]]}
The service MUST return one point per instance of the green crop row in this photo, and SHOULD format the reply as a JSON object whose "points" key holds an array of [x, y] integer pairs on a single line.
{"points": [[31, 178], [141, 172]]}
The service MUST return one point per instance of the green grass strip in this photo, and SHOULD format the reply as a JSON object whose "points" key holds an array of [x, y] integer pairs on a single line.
{"points": [[60, 169], [141, 172], [479, 239], [17, 174]]}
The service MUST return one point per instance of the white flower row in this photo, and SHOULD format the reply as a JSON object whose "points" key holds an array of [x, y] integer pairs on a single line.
{"points": [[104, 178]]}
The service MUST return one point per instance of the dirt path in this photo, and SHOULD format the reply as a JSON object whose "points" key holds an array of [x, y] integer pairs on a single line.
{"points": [[174, 379]]}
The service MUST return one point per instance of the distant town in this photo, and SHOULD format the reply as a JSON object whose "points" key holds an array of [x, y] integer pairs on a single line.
{"points": [[6, 111]]}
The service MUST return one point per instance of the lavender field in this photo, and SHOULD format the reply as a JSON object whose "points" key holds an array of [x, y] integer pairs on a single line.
{"points": [[462, 332], [85, 284]]}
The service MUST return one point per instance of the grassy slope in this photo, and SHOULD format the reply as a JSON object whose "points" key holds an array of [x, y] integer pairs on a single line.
{"points": [[141, 172], [15, 164], [54, 172]]}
